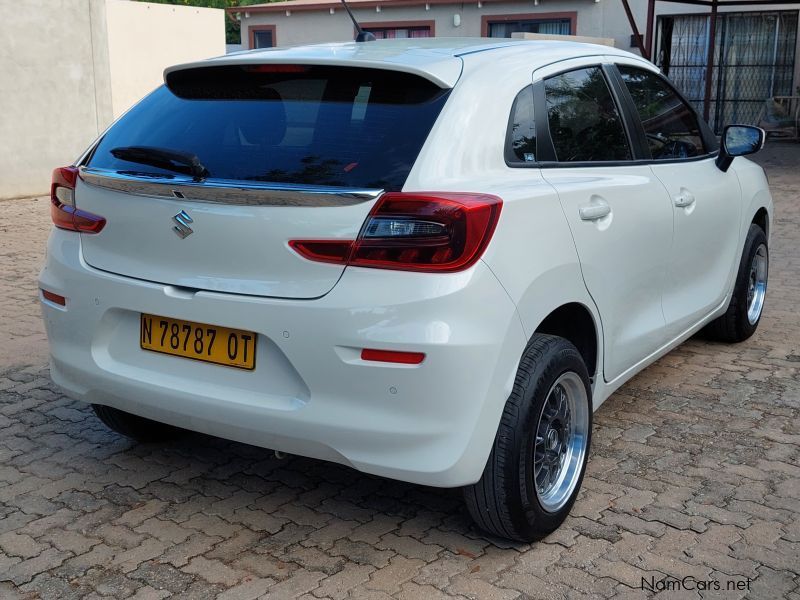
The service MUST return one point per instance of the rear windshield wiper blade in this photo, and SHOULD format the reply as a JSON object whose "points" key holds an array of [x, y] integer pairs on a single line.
{"points": [[163, 158]]}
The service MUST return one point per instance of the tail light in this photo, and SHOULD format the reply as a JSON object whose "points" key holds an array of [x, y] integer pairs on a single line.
{"points": [[429, 232], [62, 204]]}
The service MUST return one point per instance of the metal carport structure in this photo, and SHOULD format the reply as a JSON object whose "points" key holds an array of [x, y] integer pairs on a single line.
{"points": [[645, 44]]}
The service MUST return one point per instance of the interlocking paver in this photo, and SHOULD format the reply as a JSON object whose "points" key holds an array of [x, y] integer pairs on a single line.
{"points": [[24, 571], [339, 585], [390, 578], [19, 544], [213, 571], [298, 584], [247, 590], [195, 545], [695, 470], [149, 549]]}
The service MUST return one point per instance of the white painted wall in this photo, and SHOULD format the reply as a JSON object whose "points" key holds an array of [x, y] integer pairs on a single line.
{"points": [[145, 38], [54, 92], [69, 67], [595, 19]]}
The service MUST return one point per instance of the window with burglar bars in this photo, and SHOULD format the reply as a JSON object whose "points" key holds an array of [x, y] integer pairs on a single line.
{"points": [[383, 33], [754, 58], [504, 29]]}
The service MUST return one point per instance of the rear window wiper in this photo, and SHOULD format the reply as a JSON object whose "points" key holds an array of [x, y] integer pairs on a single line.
{"points": [[163, 158]]}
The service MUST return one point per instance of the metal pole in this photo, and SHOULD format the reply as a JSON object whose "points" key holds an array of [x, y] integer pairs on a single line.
{"points": [[648, 41], [775, 54], [722, 78], [712, 40], [636, 35]]}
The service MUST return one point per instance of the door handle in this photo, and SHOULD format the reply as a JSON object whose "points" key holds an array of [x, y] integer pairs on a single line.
{"points": [[683, 199], [594, 211]]}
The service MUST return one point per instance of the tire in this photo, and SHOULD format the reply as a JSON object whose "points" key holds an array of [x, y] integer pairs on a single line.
{"points": [[134, 426], [506, 501], [741, 319]]}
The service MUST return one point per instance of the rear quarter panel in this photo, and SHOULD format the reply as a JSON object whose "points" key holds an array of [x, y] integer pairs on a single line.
{"points": [[532, 252]]}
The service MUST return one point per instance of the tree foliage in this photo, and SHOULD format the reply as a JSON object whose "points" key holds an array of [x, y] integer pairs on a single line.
{"points": [[232, 29]]}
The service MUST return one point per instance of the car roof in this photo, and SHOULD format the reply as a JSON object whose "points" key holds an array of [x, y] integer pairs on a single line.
{"points": [[436, 59]]}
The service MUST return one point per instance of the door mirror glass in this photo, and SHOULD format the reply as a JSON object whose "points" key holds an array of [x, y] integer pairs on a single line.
{"points": [[741, 140]]}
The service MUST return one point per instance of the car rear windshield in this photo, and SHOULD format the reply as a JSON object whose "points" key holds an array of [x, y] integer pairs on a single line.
{"points": [[318, 125]]}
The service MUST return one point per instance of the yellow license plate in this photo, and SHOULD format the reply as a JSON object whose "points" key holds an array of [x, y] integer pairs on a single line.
{"points": [[198, 341]]}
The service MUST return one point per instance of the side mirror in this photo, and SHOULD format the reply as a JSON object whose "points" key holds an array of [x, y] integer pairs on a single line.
{"points": [[739, 140]]}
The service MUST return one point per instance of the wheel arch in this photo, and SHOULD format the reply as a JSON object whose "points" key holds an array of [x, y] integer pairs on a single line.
{"points": [[757, 204], [574, 321], [761, 218], [558, 303]]}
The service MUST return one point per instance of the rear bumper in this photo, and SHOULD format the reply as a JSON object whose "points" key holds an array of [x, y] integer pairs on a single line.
{"points": [[310, 393]]}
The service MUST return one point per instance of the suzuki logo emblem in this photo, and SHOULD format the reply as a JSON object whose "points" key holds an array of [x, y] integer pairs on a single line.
{"points": [[182, 229]]}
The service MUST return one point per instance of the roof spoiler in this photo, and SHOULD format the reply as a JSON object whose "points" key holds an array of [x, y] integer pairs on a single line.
{"points": [[443, 71]]}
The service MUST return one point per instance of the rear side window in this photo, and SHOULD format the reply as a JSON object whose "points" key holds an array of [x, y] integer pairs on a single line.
{"points": [[585, 124], [337, 126], [671, 127], [521, 144]]}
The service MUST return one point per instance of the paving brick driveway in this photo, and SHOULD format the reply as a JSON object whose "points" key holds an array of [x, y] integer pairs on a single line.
{"points": [[694, 472]]}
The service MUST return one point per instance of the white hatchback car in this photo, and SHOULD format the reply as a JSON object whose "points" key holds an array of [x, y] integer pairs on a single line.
{"points": [[430, 260]]}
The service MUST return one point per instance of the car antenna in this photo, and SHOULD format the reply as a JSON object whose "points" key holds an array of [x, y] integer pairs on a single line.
{"points": [[361, 35]]}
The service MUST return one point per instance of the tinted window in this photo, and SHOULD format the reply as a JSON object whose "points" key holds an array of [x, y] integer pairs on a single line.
{"points": [[504, 29], [670, 125], [286, 123], [522, 129], [262, 39], [585, 124], [390, 33]]}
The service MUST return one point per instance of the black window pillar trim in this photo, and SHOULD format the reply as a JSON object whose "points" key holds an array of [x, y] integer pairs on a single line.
{"points": [[630, 117], [545, 149], [709, 138], [508, 152]]}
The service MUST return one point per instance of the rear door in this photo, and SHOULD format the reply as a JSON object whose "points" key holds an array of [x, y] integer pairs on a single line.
{"points": [[705, 201], [291, 152], [619, 213]]}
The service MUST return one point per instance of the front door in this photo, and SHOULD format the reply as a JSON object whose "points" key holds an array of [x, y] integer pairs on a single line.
{"points": [[619, 214], [706, 201]]}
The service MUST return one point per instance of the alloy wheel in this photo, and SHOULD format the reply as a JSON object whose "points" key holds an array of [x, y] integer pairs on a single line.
{"points": [[561, 438], [757, 284]]}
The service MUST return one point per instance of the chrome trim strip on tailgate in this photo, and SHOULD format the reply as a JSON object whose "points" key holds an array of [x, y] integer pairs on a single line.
{"points": [[226, 191]]}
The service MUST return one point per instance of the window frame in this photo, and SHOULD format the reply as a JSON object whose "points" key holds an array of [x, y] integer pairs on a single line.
{"points": [[544, 141], [708, 137], [253, 29], [640, 150], [386, 25], [508, 153], [487, 20]]}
